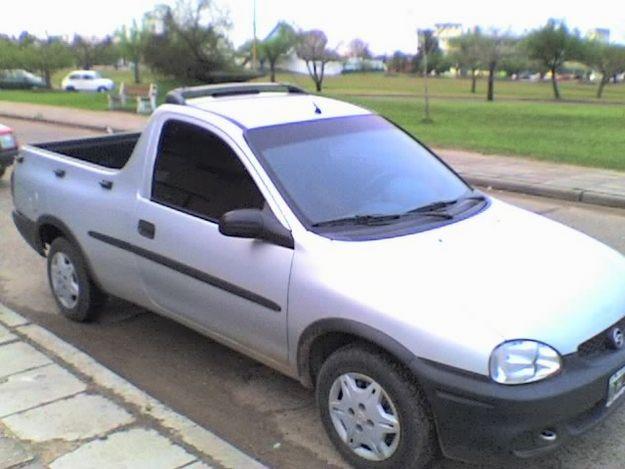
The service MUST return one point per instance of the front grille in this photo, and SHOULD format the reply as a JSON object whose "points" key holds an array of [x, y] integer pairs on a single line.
{"points": [[600, 343]]}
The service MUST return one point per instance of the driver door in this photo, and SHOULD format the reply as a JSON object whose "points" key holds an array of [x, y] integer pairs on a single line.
{"points": [[230, 287]]}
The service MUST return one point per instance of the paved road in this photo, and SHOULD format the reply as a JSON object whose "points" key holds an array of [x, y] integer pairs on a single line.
{"points": [[263, 413]]}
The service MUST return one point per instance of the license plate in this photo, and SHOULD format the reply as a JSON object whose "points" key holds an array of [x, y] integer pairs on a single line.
{"points": [[616, 386], [7, 141]]}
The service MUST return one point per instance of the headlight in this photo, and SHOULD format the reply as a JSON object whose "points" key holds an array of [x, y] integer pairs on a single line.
{"points": [[523, 361]]}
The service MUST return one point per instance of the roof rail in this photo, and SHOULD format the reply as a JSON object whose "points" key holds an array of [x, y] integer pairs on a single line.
{"points": [[181, 95]]}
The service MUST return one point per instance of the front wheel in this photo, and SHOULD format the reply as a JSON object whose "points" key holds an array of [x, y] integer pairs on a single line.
{"points": [[75, 294], [373, 411]]}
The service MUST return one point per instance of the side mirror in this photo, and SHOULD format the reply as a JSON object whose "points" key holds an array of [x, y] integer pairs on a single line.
{"points": [[255, 224]]}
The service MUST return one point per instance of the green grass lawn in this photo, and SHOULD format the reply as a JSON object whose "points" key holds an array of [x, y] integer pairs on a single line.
{"points": [[581, 134], [524, 120], [403, 84]]}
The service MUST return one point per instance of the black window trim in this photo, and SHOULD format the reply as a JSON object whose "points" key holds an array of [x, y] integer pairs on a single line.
{"points": [[201, 126]]}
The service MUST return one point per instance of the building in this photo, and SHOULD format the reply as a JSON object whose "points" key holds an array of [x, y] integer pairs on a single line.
{"points": [[445, 32], [292, 63], [599, 34]]}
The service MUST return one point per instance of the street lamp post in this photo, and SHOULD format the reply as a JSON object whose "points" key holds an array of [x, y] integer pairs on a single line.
{"points": [[254, 53], [422, 35]]}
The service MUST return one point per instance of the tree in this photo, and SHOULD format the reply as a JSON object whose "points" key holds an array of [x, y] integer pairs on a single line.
{"points": [[40, 56], [358, 49], [494, 49], [132, 44], [551, 46], [399, 62], [91, 51], [191, 43], [312, 48], [467, 53], [8, 54], [279, 42], [607, 59], [428, 50], [46, 57]]}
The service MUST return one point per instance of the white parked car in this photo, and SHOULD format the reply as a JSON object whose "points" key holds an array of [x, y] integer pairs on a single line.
{"points": [[87, 80]]}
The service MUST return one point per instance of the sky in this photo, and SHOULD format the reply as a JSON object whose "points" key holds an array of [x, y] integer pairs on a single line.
{"points": [[386, 25]]}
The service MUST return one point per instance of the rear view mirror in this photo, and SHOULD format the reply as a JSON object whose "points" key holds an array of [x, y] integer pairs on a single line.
{"points": [[255, 224], [243, 223]]}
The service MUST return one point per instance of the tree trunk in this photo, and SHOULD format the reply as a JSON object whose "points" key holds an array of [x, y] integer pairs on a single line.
{"points": [[137, 72], [473, 80], [272, 71], [491, 82], [602, 84], [554, 82], [47, 76]]}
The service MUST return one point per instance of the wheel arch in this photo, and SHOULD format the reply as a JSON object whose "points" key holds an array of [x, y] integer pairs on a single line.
{"points": [[48, 229], [323, 337]]}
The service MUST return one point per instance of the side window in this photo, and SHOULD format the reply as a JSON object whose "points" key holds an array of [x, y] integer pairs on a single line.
{"points": [[198, 173], [74, 76], [87, 77]]}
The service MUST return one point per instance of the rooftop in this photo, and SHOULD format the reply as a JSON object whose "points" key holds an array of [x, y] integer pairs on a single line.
{"points": [[271, 108]]}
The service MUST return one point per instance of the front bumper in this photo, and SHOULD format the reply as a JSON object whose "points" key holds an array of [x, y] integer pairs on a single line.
{"points": [[482, 421]]}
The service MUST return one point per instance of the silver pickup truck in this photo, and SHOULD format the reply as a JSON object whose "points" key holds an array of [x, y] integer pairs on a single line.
{"points": [[324, 241]]}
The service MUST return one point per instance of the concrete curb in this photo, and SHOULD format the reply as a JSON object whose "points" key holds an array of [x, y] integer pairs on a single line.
{"points": [[552, 192], [83, 368]]}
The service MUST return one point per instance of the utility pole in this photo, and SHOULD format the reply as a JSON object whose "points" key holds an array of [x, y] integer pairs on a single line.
{"points": [[422, 34], [254, 53]]}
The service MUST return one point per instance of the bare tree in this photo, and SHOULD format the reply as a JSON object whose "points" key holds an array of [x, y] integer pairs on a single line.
{"points": [[312, 48], [359, 49]]}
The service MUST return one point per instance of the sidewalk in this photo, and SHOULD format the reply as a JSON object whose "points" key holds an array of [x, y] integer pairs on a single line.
{"points": [[544, 179], [60, 409], [572, 183], [101, 121]]}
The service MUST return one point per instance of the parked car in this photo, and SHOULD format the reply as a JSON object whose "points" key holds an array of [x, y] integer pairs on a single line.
{"points": [[324, 241], [8, 148], [20, 79], [87, 80]]}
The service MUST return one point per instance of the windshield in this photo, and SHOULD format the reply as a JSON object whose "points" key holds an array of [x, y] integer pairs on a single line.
{"points": [[352, 167]]}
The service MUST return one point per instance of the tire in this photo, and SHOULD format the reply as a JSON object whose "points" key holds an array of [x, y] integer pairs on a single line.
{"points": [[70, 89], [102, 89], [75, 293], [412, 442]]}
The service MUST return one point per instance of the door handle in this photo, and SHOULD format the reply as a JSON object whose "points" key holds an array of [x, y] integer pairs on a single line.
{"points": [[105, 184], [146, 229], [59, 173]]}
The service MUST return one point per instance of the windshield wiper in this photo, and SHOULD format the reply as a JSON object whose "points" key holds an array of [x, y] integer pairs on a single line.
{"points": [[439, 208], [369, 220]]}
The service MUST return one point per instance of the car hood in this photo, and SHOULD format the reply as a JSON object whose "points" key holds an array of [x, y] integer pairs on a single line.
{"points": [[511, 272]]}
